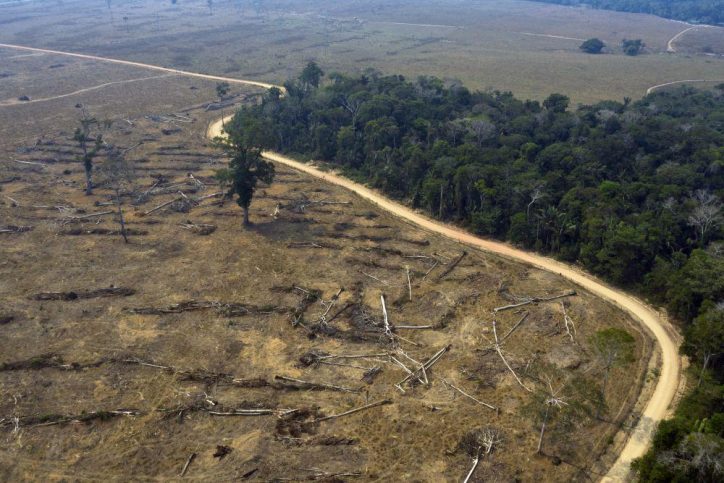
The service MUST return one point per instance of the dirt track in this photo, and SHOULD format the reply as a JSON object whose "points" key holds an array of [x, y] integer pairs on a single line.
{"points": [[657, 407]]}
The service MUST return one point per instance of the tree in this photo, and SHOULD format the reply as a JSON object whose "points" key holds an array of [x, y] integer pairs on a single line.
{"points": [[706, 215], [119, 175], [557, 103], [84, 136], [632, 47], [705, 338], [245, 138], [311, 75], [592, 46], [222, 88], [614, 347]]}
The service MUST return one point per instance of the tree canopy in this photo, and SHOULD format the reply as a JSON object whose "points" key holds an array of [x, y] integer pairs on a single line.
{"points": [[592, 46]]}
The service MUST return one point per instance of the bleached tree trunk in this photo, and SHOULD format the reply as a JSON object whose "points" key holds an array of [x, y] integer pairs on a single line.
{"points": [[543, 429]]}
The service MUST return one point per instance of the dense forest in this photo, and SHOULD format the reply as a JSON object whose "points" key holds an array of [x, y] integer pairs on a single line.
{"points": [[698, 11], [630, 190]]}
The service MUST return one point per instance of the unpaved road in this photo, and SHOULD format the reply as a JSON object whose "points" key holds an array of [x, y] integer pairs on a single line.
{"points": [[657, 407], [688, 81]]}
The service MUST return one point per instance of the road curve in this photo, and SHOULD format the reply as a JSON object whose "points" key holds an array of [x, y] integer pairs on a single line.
{"points": [[687, 81], [657, 407]]}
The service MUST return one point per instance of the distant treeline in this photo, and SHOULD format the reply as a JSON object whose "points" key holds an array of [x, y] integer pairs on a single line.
{"points": [[699, 11], [630, 190]]}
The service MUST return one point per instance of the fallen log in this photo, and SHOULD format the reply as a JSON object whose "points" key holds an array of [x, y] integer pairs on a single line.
{"points": [[87, 294], [535, 300], [452, 266], [356, 410]]}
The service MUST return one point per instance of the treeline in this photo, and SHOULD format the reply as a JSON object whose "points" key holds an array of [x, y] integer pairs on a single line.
{"points": [[699, 11], [630, 190]]}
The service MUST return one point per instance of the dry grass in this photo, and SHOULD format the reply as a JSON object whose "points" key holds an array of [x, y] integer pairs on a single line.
{"points": [[489, 48]]}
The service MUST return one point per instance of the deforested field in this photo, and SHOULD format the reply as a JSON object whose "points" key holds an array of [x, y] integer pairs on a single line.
{"points": [[248, 348]]}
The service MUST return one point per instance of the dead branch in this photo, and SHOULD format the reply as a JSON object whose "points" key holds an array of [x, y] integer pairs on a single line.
{"points": [[242, 412], [15, 229], [476, 460], [356, 410], [500, 353], [469, 396], [569, 323], [512, 329], [452, 266], [292, 383], [188, 463], [202, 229], [375, 278], [388, 329], [409, 284], [427, 365], [534, 300], [85, 294], [83, 217]]}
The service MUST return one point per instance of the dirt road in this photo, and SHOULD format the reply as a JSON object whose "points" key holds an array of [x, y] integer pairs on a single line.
{"points": [[657, 407]]}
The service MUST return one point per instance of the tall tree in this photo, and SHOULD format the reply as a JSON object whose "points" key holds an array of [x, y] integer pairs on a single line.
{"points": [[245, 137]]}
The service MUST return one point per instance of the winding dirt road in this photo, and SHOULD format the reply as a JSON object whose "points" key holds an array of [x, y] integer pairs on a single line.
{"points": [[657, 407]]}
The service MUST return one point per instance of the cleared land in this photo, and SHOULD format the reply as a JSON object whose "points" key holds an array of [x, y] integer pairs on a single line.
{"points": [[71, 358], [485, 44]]}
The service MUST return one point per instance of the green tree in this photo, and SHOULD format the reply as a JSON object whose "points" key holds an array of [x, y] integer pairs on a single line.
{"points": [[705, 337], [311, 75], [592, 46], [632, 47], [245, 137], [557, 103]]}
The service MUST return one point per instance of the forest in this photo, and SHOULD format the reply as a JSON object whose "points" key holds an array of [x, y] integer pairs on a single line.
{"points": [[629, 190], [698, 11]]}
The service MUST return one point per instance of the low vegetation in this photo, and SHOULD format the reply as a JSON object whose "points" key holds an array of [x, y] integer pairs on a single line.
{"points": [[700, 11]]}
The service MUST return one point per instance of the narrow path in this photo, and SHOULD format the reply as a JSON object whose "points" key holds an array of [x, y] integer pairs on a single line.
{"points": [[15, 102], [657, 407], [142, 66], [670, 46], [688, 81], [530, 34]]}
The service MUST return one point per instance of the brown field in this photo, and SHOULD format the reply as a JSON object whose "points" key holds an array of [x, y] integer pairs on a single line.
{"points": [[487, 44], [65, 360]]}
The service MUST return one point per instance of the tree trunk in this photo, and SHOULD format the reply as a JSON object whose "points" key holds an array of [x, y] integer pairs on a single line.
{"points": [[88, 183], [543, 430], [121, 221], [441, 197], [703, 369], [246, 215]]}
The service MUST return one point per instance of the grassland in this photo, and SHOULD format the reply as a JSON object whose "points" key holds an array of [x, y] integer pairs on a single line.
{"points": [[486, 44], [70, 358]]}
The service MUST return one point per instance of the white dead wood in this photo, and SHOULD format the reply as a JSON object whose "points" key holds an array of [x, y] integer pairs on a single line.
{"points": [[409, 284], [328, 305], [356, 410], [497, 348], [388, 328], [534, 300], [319, 385], [408, 371], [414, 327], [375, 278], [91, 215], [569, 323], [476, 460], [428, 364], [452, 386], [30, 162], [13, 201], [191, 458], [525, 316], [431, 269], [162, 205], [418, 364]]}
